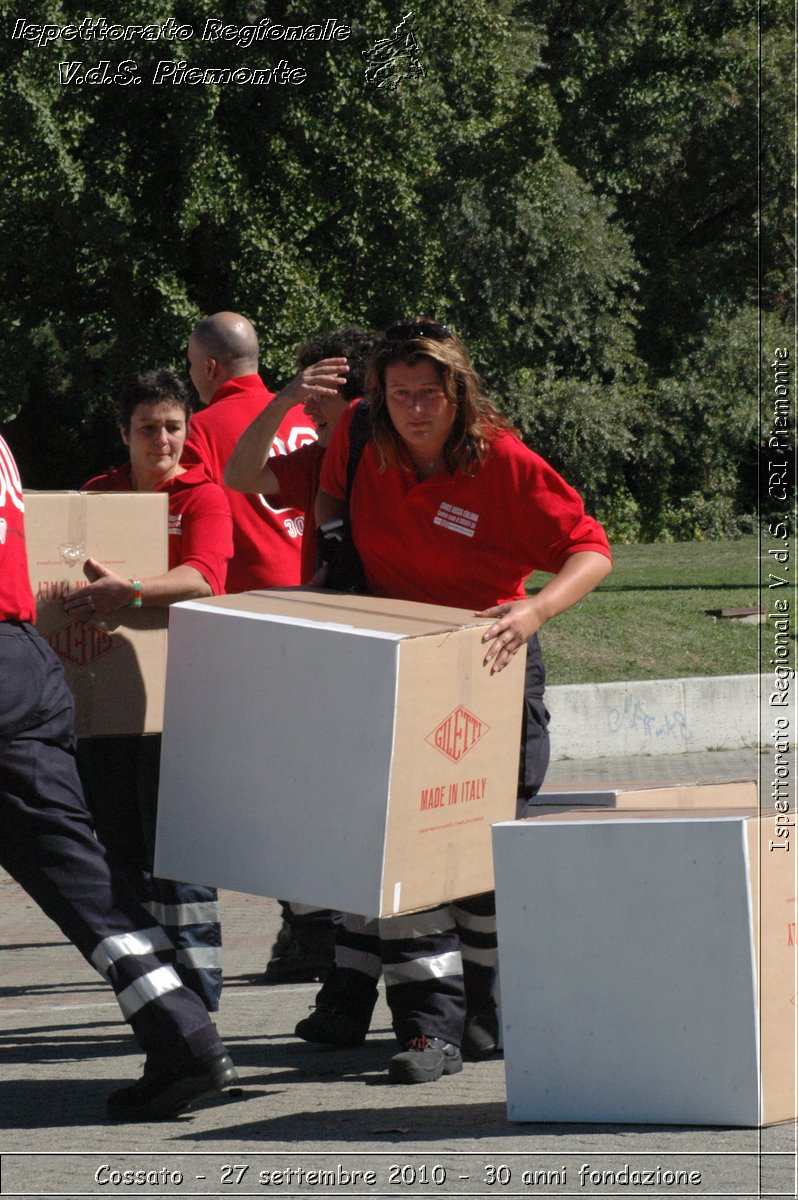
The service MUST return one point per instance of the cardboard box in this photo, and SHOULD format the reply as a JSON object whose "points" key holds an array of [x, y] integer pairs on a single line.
{"points": [[337, 750], [648, 967], [116, 672], [738, 794]]}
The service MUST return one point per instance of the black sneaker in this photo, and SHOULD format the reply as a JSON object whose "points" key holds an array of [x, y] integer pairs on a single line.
{"points": [[296, 961], [160, 1094], [424, 1060], [481, 1035], [333, 1027]]}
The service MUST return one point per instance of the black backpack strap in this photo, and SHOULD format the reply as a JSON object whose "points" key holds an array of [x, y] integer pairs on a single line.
{"points": [[359, 432], [334, 538]]}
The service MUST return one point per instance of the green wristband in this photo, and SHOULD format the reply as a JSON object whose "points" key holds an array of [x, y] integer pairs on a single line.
{"points": [[136, 601]]}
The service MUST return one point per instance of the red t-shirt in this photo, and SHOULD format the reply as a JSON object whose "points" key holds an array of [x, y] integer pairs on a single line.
{"points": [[200, 526], [469, 541], [298, 475], [267, 539], [16, 597]]}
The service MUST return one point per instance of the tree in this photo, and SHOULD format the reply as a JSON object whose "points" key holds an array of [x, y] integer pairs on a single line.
{"points": [[659, 111], [151, 205]]}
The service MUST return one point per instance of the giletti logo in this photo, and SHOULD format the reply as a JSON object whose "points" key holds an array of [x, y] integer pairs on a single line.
{"points": [[457, 733], [80, 646]]}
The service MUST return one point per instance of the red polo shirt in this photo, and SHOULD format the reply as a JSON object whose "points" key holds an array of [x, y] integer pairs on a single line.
{"points": [[16, 597], [469, 541], [200, 526], [267, 539]]}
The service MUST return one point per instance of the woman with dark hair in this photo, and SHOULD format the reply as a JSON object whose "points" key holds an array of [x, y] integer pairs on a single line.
{"points": [[449, 507], [120, 774], [153, 412]]}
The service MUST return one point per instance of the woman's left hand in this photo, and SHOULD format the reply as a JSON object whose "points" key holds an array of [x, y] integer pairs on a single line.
{"points": [[516, 622], [105, 594], [519, 619]]}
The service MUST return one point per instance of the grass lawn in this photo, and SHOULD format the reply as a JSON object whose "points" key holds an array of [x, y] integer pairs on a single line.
{"points": [[646, 621]]}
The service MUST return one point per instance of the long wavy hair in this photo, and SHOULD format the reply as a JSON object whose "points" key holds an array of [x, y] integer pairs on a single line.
{"points": [[477, 421]]}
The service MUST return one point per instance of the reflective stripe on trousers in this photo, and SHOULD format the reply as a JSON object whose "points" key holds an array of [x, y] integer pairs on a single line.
{"points": [[419, 955], [120, 779]]}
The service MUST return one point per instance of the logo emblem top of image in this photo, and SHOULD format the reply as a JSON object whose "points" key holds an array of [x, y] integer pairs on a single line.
{"points": [[457, 734], [394, 59]]}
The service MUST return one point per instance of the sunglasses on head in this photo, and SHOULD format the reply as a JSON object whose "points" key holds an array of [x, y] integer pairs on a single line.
{"points": [[418, 329]]}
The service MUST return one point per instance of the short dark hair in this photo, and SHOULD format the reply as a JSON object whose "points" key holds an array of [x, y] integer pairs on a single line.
{"points": [[159, 386], [353, 343]]}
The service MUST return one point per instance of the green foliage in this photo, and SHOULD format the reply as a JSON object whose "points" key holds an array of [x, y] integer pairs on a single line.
{"points": [[659, 108], [585, 430], [149, 206], [572, 187], [535, 249], [675, 460], [713, 429]]}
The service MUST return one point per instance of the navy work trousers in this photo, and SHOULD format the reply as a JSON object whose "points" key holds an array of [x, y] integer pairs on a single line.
{"points": [[120, 782], [48, 846]]}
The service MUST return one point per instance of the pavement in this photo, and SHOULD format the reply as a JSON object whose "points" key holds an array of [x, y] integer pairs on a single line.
{"points": [[309, 1121]]}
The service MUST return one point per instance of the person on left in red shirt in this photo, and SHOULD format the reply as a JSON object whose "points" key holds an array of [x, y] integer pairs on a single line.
{"points": [[120, 774], [48, 846]]}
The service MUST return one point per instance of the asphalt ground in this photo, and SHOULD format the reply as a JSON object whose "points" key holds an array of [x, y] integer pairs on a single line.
{"points": [[303, 1109]]}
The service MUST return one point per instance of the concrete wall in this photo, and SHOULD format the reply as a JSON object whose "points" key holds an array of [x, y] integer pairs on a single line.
{"points": [[658, 716]]}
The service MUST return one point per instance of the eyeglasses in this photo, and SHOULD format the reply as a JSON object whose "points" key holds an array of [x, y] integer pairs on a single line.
{"points": [[418, 329]]}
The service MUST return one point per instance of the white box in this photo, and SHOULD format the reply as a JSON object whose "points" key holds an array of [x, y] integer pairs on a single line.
{"points": [[647, 967], [344, 751]]}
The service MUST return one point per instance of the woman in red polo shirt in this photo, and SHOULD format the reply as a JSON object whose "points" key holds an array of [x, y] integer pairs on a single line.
{"points": [[120, 774], [449, 507]]}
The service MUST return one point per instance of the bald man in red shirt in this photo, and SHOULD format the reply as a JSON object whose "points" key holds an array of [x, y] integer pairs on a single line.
{"points": [[223, 363]]}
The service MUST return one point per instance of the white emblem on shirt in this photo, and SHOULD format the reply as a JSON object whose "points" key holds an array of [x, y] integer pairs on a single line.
{"points": [[299, 436], [295, 526], [460, 520], [10, 484], [176, 523]]}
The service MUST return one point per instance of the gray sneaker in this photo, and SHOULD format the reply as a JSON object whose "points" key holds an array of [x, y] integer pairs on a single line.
{"points": [[423, 1060]]}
